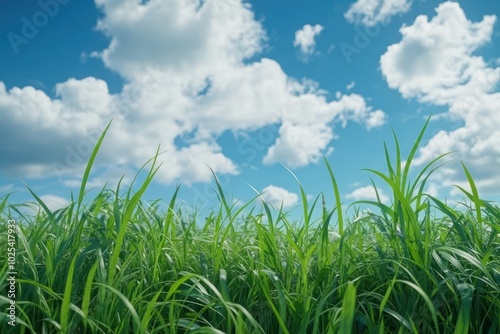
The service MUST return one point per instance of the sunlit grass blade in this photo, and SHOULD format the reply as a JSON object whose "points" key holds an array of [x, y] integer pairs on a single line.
{"points": [[42, 204], [336, 192], [146, 318], [90, 163], [67, 298], [474, 197], [281, 314], [413, 151], [88, 290], [221, 195], [348, 309], [129, 210]]}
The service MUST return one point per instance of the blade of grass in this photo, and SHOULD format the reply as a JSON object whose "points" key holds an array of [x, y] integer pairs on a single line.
{"points": [[67, 298], [90, 163], [348, 309], [336, 192], [126, 218]]}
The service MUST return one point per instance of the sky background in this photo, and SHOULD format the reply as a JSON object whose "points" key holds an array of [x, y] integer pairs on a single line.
{"points": [[248, 88]]}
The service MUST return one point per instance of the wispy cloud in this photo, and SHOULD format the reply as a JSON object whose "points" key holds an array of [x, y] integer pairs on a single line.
{"points": [[372, 12]]}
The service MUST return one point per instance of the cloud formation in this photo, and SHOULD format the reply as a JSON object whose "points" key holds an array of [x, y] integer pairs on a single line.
{"points": [[368, 193], [305, 39], [373, 12], [54, 202], [278, 196], [187, 79], [435, 63]]}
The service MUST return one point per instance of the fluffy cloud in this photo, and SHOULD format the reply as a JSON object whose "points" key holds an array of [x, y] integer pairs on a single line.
{"points": [[278, 196], [37, 129], [305, 140], [299, 145], [186, 166], [372, 12], [305, 39], [179, 36], [368, 193], [187, 79], [435, 63], [54, 202]]}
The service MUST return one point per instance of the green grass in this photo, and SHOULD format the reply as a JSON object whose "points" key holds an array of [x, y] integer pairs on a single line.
{"points": [[115, 264]]}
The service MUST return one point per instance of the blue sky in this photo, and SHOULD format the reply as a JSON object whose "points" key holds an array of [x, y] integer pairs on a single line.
{"points": [[246, 87]]}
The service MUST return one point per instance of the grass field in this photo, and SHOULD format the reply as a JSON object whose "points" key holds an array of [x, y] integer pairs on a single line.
{"points": [[115, 264]]}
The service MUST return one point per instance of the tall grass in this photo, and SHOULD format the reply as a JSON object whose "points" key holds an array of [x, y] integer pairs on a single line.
{"points": [[115, 264]]}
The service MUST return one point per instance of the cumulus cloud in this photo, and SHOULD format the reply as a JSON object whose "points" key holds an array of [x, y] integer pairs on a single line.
{"points": [[37, 129], [432, 189], [303, 141], [278, 196], [435, 63], [187, 79], [54, 202], [299, 144], [368, 193], [305, 39], [372, 12], [177, 35], [187, 166]]}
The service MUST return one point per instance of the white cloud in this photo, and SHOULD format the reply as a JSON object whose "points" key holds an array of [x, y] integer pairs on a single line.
{"points": [[305, 140], [433, 189], [368, 193], [187, 78], [434, 59], [43, 128], [191, 163], [237, 203], [278, 196], [351, 85], [353, 107], [305, 39], [299, 145], [372, 12], [84, 57], [54, 202], [435, 63], [201, 35], [109, 176]]}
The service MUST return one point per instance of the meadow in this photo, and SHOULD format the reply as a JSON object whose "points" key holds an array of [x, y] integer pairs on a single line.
{"points": [[114, 263]]}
